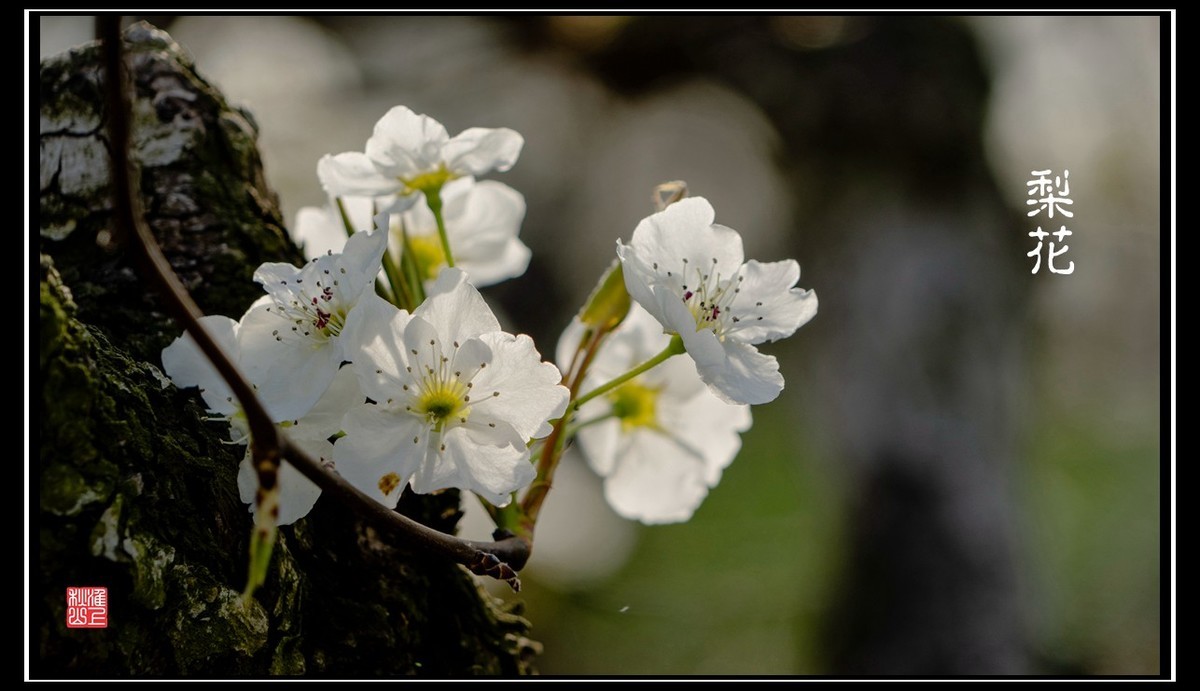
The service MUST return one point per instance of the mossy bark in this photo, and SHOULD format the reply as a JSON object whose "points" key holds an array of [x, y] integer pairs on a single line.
{"points": [[136, 492]]}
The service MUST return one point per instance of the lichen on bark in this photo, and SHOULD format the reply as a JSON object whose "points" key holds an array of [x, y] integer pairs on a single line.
{"points": [[136, 490]]}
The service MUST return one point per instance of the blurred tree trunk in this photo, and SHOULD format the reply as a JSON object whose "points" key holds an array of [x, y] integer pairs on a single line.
{"points": [[136, 490], [916, 359]]}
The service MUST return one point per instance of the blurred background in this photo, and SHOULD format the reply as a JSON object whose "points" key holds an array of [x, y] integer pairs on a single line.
{"points": [[963, 473]]}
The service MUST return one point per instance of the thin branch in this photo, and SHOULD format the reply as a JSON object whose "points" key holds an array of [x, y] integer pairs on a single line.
{"points": [[499, 559]]}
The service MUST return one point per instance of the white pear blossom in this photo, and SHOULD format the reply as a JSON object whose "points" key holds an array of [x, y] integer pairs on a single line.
{"points": [[409, 154], [187, 366], [483, 220], [691, 275], [297, 493], [662, 439], [291, 338], [456, 399]]}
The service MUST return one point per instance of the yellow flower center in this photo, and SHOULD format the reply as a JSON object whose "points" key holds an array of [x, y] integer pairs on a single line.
{"points": [[431, 181], [635, 405], [427, 251], [441, 401]]}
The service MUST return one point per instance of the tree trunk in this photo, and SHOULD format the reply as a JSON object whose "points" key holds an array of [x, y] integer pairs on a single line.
{"points": [[136, 491]]}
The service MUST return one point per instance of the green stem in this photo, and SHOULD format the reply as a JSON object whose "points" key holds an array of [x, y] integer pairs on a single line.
{"points": [[398, 295], [572, 429], [403, 298], [434, 199], [410, 268], [675, 347], [508, 517], [346, 223]]}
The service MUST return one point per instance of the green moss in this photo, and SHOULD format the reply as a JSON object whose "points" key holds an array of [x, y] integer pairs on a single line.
{"points": [[65, 491], [288, 660], [213, 622]]}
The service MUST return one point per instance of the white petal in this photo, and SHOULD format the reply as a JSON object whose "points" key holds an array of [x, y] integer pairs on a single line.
{"points": [[707, 425], [418, 220], [768, 307], [643, 333], [483, 225], [378, 454], [455, 194], [677, 379], [373, 341], [640, 279], [297, 494], [528, 389], [187, 366], [361, 259], [423, 346], [471, 356], [406, 144], [456, 309], [600, 442], [486, 209], [290, 374], [508, 258], [685, 230], [247, 480], [318, 231], [478, 150], [742, 375], [655, 481], [493, 472], [275, 277], [325, 418], [352, 174]]}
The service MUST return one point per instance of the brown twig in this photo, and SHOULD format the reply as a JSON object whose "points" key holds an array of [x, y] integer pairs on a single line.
{"points": [[499, 559], [531, 504]]}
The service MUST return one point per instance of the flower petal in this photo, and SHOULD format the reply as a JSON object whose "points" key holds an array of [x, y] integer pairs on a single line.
{"points": [[600, 442], [641, 278], [352, 174], [655, 481], [493, 472], [707, 425], [373, 335], [297, 494], [361, 259], [768, 307], [491, 261], [455, 308], [378, 454], [290, 374], [187, 366], [478, 150], [685, 231], [482, 223], [744, 375], [325, 418], [519, 388], [406, 144], [318, 230]]}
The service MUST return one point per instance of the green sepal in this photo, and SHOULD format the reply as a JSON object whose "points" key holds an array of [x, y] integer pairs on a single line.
{"points": [[609, 302]]}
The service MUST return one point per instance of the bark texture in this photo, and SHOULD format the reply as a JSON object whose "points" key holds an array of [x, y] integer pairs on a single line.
{"points": [[136, 491]]}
